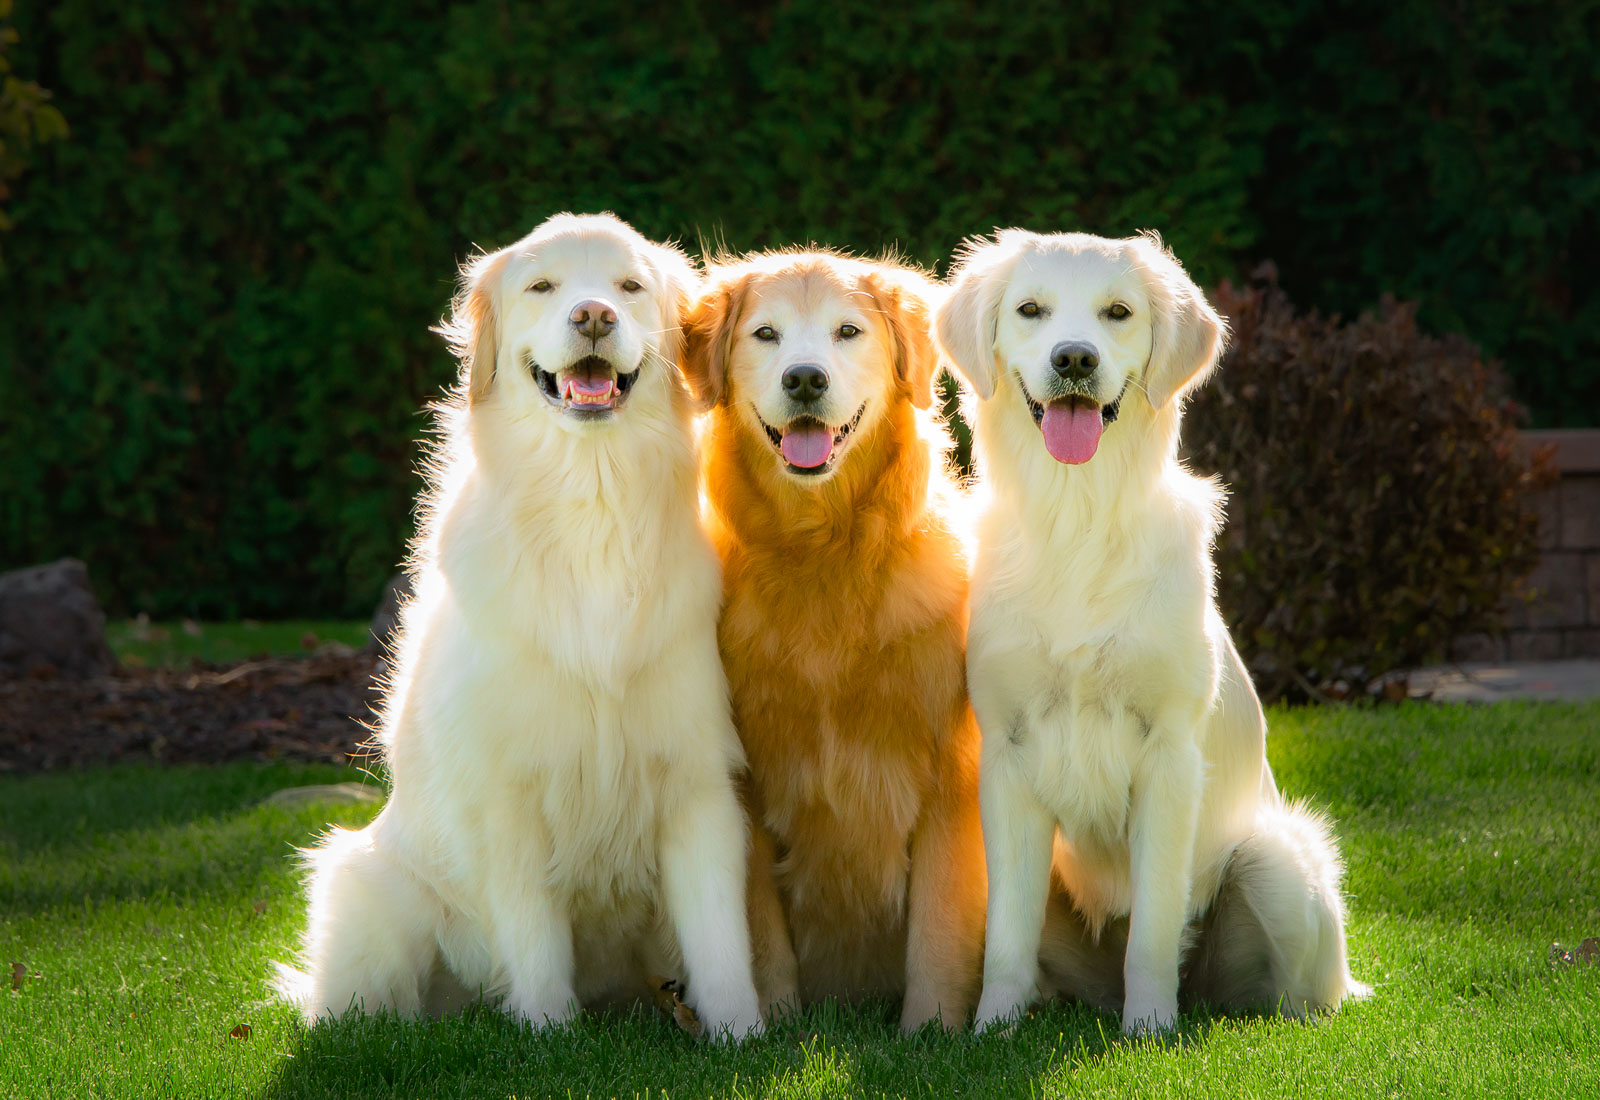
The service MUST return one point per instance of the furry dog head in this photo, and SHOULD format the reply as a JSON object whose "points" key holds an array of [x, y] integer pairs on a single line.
{"points": [[1074, 331], [810, 352], [572, 324]]}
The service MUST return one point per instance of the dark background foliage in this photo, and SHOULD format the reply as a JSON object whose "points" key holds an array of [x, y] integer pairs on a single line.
{"points": [[213, 321], [26, 119]]}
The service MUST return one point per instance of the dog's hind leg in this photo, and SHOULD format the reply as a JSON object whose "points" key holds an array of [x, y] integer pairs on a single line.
{"points": [[371, 935], [1275, 937], [1080, 963]]}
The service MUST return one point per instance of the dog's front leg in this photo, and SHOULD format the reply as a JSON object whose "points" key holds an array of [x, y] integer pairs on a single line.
{"points": [[533, 934], [703, 857], [1163, 817], [1018, 833], [771, 946], [944, 940]]}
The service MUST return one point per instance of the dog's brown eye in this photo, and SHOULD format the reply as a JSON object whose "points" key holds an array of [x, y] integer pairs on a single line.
{"points": [[1029, 309], [1119, 312], [766, 332], [632, 286], [847, 330], [541, 287]]}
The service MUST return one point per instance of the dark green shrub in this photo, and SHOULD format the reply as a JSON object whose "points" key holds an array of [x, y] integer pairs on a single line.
{"points": [[1378, 499]]}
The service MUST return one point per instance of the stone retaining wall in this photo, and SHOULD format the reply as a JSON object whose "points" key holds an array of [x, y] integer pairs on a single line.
{"points": [[1563, 620]]}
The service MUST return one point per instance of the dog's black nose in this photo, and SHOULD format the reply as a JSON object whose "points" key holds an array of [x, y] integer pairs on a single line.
{"points": [[593, 319], [1074, 362], [805, 381]]}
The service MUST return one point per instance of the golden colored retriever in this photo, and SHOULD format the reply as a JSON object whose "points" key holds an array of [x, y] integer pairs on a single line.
{"points": [[843, 629]]}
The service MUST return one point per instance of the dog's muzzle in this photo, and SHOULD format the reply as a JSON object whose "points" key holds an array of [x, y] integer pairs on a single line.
{"points": [[807, 445], [589, 389], [1071, 421]]}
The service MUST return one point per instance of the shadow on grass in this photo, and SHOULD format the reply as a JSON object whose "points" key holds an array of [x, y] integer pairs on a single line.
{"points": [[56, 809], [186, 833], [829, 1050]]}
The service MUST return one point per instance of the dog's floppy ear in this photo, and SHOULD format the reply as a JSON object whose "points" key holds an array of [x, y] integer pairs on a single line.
{"points": [[906, 300], [680, 283], [1188, 335], [967, 318], [473, 329], [708, 336]]}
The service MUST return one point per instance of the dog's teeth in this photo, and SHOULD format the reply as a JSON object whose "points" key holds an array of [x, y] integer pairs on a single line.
{"points": [[575, 397]]}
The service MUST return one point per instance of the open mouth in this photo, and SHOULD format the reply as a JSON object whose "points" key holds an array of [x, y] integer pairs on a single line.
{"points": [[1071, 424], [807, 445], [590, 389]]}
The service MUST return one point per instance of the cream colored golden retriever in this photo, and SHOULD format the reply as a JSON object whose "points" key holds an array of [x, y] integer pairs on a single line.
{"points": [[1123, 743], [563, 817]]}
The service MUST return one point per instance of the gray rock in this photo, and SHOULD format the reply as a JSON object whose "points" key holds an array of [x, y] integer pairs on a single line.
{"points": [[341, 794], [387, 617], [51, 624]]}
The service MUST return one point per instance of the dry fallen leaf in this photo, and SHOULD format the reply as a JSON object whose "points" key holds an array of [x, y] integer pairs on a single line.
{"points": [[1585, 954], [260, 907], [684, 1017], [669, 995], [240, 1031]]}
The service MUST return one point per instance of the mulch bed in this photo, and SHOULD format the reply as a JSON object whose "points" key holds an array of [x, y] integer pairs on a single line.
{"points": [[292, 708]]}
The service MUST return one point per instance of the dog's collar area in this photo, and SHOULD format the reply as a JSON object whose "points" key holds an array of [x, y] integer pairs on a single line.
{"points": [[840, 436]]}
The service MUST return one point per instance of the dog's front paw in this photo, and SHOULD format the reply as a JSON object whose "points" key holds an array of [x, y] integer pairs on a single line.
{"points": [[776, 1009], [730, 1019], [734, 1029], [1149, 1017], [915, 1015], [998, 1008], [780, 998], [539, 1013]]}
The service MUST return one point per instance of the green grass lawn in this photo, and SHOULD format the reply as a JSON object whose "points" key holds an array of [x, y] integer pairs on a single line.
{"points": [[151, 903], [143, 643]]}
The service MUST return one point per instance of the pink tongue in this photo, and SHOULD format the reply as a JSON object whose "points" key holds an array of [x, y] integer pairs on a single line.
{"points": [[807, 447], [592, 385], [1071, 431]]}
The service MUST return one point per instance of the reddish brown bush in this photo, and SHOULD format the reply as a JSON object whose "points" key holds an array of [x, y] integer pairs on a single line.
{"points": [[1379, 502]]}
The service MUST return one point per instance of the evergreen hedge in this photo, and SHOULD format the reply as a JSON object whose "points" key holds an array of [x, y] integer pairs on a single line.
{"points": [[214, 317]]}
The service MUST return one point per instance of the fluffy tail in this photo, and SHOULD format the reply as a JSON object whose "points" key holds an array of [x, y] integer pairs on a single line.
{"points": [[1285, 879]]}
